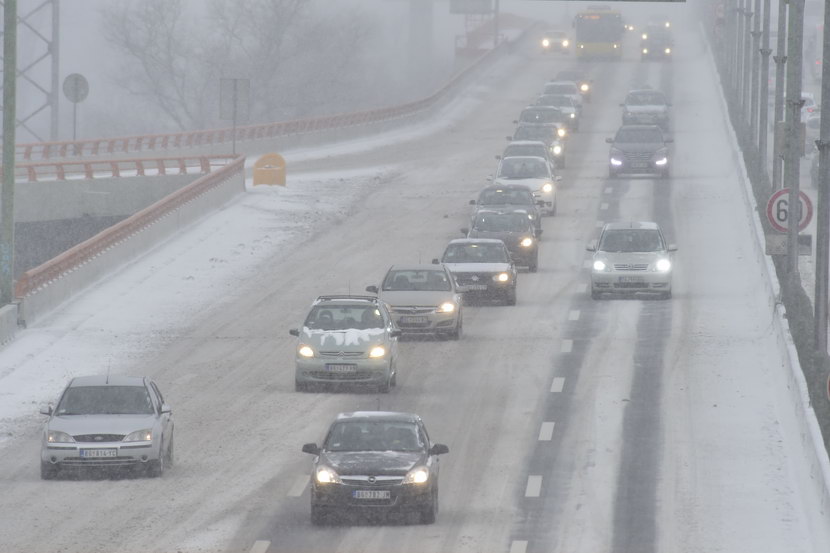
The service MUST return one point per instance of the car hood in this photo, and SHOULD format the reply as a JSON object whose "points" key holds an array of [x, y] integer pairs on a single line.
{"points": [[477, 267], [646, 109], [533, 209], [407, 297], [631, 257], [372, 463], [638, 146], [533, 184], [351, 339], [510, 239], [100, 424]]}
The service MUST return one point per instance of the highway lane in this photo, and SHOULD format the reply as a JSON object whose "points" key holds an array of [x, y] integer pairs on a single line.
{"points": [[639, 457]]}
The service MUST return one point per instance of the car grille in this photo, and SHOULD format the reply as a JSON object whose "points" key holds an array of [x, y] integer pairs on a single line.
{"points": [[631, 285], [637, 156], [338, 376], [631, 266], [99, 437], [99, 462], [342, 353], [352, 480], [413, 310], [473, 278]]}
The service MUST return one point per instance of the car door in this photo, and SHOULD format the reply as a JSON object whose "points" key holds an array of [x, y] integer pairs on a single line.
{"points": [[166, 419]]}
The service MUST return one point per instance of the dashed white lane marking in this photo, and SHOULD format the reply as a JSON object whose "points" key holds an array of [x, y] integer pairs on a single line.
{"points": [[557, 385], [567, 346], [599, 224], [546, 431], [582, 288], [603, 206], [518, 546], [534, 485], [299, 487], [260, 546], [587, 264], [573, 315], [608, 189]]}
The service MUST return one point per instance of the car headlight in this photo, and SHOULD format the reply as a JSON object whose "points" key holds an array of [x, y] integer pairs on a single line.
{"points": [[55, 436], [305, 351], [418, 475], [616, 46], [573, 116], [663, 265], [501, 277], [557, 150], [325, 475], [584, 87], [545, 42], [599, 265], [668, 50], [560, 133], [668, 24], [645, 36], [446, 307], [662, 161], [566, 43], [139, 436], [526, 242], [645, 50], [616, 162], [547, 187], [377, 351]]}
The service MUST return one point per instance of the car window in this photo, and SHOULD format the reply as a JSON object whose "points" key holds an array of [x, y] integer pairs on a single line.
{"points": [[540, 116], [506, 196], [639, 136], [417, 280], [645, 99], [631, 240], [525, 150], [543, 134], [475, 253], [555, 100], [502, 222], [523, 168], [106, 400], [344, 317], [374, 436]]}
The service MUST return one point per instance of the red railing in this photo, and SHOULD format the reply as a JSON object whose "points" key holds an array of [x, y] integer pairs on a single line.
{"points": [[89, 169]]}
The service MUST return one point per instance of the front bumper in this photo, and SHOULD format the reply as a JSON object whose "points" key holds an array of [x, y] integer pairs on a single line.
{"points": [[88, 454], [630, 282], [423, 321], [635, 167], [483, 285], [342, 369], [401, 496]]}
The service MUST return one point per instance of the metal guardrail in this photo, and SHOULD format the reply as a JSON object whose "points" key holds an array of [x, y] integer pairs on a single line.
{"points": [[92, 169]]}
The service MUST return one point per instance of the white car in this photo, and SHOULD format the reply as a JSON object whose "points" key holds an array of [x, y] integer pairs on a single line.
{"points": [[533, 172], [565, 88]]}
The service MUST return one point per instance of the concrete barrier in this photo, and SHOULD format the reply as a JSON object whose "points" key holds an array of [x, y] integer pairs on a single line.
{"points": [[8, 322]]}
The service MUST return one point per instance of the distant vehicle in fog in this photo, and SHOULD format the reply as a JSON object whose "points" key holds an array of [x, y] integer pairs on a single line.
{"points": [[638, 149]]}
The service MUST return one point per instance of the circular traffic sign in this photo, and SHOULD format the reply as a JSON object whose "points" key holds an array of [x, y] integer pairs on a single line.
{"points": [[75, 88], [778, 210]]}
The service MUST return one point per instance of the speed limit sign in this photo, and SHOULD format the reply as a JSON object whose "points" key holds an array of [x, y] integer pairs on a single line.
{"points": [[778, 210]]}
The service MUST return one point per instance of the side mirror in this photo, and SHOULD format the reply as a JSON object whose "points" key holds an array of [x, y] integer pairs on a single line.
{"points": [[490, 177], [294, 332], [472, 202], [166, 409], [435, 261], [515, 122], [46, 410], [396, 333], [591, 247], [672, 247], [373, 289], [669, 140], [465, 231], [438, 449], [558, 178], [311, 448], [609, 140], [509, 138], [538, 233], [498, 157]]}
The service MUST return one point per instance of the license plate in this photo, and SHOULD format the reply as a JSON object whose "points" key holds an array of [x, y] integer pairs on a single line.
{"points": [[413, 320], [98, 453], [639, 164], [340, 368], [631, 279], [476, 287], [371, 494]]}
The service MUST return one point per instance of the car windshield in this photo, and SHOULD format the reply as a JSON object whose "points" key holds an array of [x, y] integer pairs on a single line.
{"points": [[343, 317], [502, 222], [639, 136], [515, 150], [429, 280], [105, 400], [374, 436], [556, 100], [645, 99], [523, 168], [540, 116], [561, 88], [631, 240], [541, 133], [506, 196], [475, 253]]}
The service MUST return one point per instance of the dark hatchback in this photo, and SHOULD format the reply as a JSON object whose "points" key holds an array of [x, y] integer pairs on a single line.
{"points": [[639, 149], [514, 228], [375, 461], [509, 197]]}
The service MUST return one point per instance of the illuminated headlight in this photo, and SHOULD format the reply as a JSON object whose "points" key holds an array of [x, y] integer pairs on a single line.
{"points": [[573, 116], [418, 475], [584, 87], [668, 24], [645, 36], [560, 133], [377, 351], [645, 50], [545, 42], [55, 436], [662, 161], [526, 242], [557, 150], [325, 475], [501, 277], [447, 307], [547, 187], [582, 46], [663, 265], [566, 43], [616, 46], [305, 351], [667, 50], [599, 265], [139, 436], [616, 162]]}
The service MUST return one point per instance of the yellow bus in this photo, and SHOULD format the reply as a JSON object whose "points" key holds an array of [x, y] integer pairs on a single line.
{"points": [[599, 33]]}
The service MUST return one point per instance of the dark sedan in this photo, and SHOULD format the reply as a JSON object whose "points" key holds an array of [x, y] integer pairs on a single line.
{"points": [[509, 197], [375, 461], [514, 228], [639, 149]]}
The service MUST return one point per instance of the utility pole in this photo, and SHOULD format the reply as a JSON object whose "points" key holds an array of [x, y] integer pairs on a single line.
{"points": [[756, 70], [823, 201], [496, 11], [9, 121], [763, 121], [739, 58], [792, 151], [780, 59], [746, 80]]}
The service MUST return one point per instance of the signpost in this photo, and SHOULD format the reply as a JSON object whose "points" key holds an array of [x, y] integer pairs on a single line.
{"points": [[76, 89], [778, 210], [234, 99]]}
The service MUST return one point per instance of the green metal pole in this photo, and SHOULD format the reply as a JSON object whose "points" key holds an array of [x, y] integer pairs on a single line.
{"points": [[9, 121]]}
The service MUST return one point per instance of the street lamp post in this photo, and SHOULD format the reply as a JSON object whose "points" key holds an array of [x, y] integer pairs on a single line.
{"points": [[9, 116], [780, 59]]}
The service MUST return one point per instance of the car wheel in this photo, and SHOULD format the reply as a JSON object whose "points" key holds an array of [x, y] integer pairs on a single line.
{"points": [[169, 460], [428, 513], [533, 266], [318, 515], [156, 467], [384, 387], [48, 471], [394, 380], [459, 328], [301, 386], [510, 299]]}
